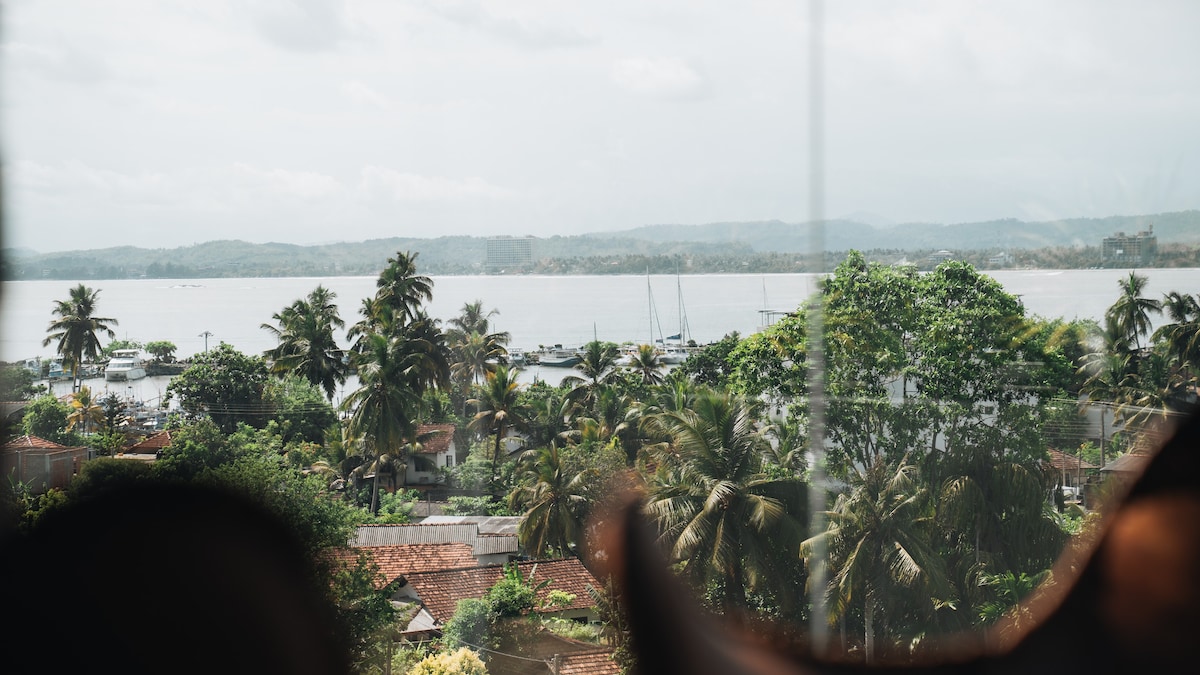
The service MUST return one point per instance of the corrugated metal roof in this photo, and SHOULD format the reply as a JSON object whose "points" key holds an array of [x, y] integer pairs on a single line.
{"points": [[495, 544], [391, 535], [487, 524]]}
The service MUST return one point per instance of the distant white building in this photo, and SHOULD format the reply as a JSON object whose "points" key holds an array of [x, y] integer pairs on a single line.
{"points": [[507, 253], [940, 257]]}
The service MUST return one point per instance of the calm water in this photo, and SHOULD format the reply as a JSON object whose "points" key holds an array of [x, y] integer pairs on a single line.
{"points": [[536, 310]]}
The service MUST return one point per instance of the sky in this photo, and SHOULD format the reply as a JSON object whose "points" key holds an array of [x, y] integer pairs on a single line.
{"points": [[160, 123]]}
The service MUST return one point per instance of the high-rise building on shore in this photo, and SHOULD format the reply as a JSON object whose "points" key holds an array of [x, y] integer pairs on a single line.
{"points": [[1125, 249], [509, 253]]}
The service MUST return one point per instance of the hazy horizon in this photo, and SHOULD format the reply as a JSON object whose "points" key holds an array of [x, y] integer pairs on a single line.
{"points": [[135, 122]]}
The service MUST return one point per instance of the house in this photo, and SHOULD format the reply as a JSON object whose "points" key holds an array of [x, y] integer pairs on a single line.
{"points": [[488, 548], [1126, 468], [1073, 471], [437, 451], [149, 448], [439, 592], [40, 464]]}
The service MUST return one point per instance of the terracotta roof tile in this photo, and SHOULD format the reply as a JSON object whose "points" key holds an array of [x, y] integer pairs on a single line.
{"points": [[398, 561], [1062, 461], [438, 442], [27, 441], [151, 443], [441, 591], [598, 662]]}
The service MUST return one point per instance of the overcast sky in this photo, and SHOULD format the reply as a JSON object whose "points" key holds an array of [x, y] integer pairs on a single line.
{"points": [[164, 122]]}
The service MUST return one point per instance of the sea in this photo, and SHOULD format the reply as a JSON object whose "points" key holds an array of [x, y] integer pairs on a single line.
{"points": [[535, 310]]}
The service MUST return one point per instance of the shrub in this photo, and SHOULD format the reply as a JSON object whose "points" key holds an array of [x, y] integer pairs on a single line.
{"points": [[462, 662]]}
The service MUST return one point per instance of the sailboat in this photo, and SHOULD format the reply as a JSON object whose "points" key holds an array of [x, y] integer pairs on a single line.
{"points": [[671, 349]]}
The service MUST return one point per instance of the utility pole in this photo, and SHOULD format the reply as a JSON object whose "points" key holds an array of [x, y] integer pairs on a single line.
{"points": [[206, 334]]}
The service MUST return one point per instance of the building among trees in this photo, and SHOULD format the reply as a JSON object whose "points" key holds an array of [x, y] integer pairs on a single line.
{"points": [[1123, 249], [507, 253]]}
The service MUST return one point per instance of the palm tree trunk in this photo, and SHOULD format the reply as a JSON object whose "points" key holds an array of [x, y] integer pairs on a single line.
{"points": [[496, 456], [375, 492], [869, 627]]}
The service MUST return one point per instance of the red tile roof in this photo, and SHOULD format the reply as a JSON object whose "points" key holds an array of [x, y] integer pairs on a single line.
{"points": [[1064, 462], [151, 443], [406, 559], [598, 662], [441, 591], [437, 442], [27, 441]]}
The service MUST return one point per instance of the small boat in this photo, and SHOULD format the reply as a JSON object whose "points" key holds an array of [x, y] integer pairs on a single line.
{"points": [[517, 358], [125, 364], [673, 354]]}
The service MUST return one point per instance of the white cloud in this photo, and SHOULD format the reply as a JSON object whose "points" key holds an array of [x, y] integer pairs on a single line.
{"points": [[304, 184], [74, 176], [403, 186], [665, 77], [301, 25], [525, 30], [361, 94]]}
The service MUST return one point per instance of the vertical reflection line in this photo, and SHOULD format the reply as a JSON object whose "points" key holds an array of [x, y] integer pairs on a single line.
{"points": [[817, 567]]}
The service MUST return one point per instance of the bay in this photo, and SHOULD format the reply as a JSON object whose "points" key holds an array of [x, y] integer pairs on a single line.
{"points": [[536, 310]]}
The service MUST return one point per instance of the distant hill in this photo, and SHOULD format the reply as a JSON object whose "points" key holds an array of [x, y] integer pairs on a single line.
{"points": [[840, 235], [710, 247]]}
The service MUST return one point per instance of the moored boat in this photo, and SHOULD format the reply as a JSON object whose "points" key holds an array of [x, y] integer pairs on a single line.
{"points": [[125, 364], [559, 357]]}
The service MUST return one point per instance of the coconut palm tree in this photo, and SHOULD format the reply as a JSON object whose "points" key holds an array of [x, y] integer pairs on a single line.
{"points": [[597, 365], [85, 410], [383, 407], [715, 508], [554, 501], [307, 346], [498, 409], [401, 289], [1131, 312], [476, 354], [647, 364], [75, 329], [880, 544], [1182, 336]]}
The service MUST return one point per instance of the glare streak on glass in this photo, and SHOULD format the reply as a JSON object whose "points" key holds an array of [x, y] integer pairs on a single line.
{"points": [[819, 624]]}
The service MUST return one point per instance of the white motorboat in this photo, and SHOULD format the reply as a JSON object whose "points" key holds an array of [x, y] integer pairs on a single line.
{"points": [[125, 364]]}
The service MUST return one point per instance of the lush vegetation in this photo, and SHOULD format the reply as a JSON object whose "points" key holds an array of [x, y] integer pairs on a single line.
{"points": [[943, 399]]}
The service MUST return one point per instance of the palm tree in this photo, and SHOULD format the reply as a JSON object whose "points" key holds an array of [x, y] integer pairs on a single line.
{"points": [[75, 329], [400, 289], [647, 364], [475, 355], [85, 410], [715, 508], [498, 409], [306, 343], [383, 406], [879, 544], [597, 365], [1182, 335], [554, 502], [1131, 312], [472, 319]]}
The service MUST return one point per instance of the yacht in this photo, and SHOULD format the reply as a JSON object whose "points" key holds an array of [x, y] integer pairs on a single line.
{"points": [[125, 364]]}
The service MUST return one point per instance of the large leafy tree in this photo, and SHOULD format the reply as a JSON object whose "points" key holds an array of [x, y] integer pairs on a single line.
{"points": [[307, 346], [75, 329], [224, 384], [716, 508]]}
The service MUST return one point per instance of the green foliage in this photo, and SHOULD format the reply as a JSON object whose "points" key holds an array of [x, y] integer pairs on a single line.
{"points": [[460, 505], [224, 384], [17, 383], [106, 473], [46, 417], [462, 662], [470, 625], [712, 365], [299, 408], [573, 630], [163, 351], [113, 346], [395, 508]]}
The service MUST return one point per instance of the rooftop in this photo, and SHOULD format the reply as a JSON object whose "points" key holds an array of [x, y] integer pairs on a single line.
{"points": [[441, 591]]}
